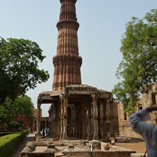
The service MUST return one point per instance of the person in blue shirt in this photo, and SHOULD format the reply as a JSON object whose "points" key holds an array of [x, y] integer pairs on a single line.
{"points": [[147, 131]]}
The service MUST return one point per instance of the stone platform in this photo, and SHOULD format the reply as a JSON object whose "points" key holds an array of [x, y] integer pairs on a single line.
{"points": [[73, 148]]}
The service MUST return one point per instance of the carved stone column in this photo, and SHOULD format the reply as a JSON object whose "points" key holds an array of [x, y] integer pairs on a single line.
{"points": [[39, 119], [99, 121], [61, 117], [83, 121], [111, 120], [65, 106], [79, 121], [105, 138], [71, 121], [75, 122], [45, 123], [95, 118], [89, 123], [58, 119]]}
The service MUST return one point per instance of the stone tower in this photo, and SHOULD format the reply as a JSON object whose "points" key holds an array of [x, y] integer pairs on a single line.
{"points": [[67, 62], [77, 111]]}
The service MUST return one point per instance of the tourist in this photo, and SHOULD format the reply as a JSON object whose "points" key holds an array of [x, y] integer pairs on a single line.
{"points": [[47, 130], [112, 140], [43, 132], [147, 131]]}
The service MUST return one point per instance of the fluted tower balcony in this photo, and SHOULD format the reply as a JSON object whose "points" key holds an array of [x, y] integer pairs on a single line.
{"points": [[67, 62]]}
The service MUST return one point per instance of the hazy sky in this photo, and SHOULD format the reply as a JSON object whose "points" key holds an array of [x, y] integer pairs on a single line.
{"points": [[102, 24]]}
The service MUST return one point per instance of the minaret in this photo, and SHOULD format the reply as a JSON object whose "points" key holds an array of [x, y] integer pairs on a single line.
{"points": [[67, 62]]}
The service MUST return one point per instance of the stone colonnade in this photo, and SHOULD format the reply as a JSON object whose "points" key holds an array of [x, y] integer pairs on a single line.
{"points": [[80, 119]]}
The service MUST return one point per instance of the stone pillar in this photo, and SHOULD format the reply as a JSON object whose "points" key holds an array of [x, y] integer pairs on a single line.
{"points": [[39, 119], [105, 138], [65, 106], [83, 121], [58, 119], [75, 122], [71, 121], [111, 120], [45, 123], [89, 123], [79, 121], [99, 121], [61, 118], [95, 118]]}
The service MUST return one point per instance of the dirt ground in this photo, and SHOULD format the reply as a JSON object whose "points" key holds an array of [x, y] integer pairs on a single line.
{"points": [[139, 147]]}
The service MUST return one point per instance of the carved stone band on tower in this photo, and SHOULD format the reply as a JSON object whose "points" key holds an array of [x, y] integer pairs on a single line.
{"points": [[67, 62]]}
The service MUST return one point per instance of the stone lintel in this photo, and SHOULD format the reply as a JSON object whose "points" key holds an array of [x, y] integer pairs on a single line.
{"points": [[48, 98], [104, 96], [80, 92]]}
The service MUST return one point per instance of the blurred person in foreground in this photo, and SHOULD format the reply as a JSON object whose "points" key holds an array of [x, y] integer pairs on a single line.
{"points": [[147, 131]]}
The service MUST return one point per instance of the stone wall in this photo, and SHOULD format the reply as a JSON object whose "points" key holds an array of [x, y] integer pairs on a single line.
{"points": [[146, 100], [124, 126]]}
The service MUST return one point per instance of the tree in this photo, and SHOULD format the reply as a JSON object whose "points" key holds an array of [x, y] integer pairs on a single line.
{"points": [[19, 70], [10, 110], [138, 68]]}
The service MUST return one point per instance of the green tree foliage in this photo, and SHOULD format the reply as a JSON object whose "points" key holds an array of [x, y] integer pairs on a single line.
{"points": [[138, 68], [19, 70], [10, 110]]}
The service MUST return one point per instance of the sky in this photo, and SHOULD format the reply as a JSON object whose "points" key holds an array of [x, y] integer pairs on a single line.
{"points": [[102, 25]]}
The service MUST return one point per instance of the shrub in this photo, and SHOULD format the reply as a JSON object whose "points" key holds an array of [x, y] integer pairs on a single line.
{"points": [[14, 124], [9, 142], [4, 133]]}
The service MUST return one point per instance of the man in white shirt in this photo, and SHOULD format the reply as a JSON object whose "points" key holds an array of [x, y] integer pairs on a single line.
{"points": [[148, 131]]}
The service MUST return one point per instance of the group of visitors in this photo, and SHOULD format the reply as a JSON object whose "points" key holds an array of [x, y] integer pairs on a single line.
{"points": [[45, 131]]}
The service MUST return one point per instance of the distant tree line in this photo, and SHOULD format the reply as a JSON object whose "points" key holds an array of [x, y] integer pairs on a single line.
{"points": [[138, 68]]}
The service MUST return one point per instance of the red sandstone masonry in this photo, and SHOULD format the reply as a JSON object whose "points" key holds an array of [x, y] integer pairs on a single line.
{"points": [[67, 62]]}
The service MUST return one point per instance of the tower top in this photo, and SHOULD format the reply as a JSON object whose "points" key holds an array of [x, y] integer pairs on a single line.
{"points": [[68, 0]]}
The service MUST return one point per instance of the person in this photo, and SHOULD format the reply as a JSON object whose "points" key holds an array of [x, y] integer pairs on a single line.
{"points": [[148, 131], [112, 140], [47, 131], [43, 131]]}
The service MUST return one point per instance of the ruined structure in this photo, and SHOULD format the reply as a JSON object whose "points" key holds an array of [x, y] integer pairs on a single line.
{"points": [[75, 148], [147, 99], [77, 111]]}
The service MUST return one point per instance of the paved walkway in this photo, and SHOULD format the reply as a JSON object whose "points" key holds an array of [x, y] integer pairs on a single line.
{"points": [[139, 147], [28, 138]]}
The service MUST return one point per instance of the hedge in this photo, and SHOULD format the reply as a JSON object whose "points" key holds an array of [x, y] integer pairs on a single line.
{"points": [[5, 133], [9, 142]]}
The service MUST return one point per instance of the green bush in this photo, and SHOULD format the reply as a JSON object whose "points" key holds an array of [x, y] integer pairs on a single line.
{"points": [[14, 124], [9, 142], [5, 133]]}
